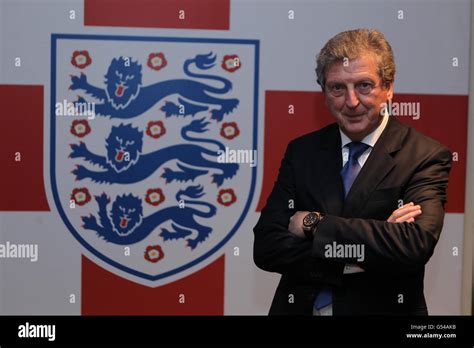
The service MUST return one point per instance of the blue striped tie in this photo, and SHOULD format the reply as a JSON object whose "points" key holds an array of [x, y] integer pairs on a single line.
{"points": [[349, 173], [352, 167]]}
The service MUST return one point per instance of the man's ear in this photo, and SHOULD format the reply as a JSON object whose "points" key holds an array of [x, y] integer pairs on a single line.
{"points": [[326, 99], [389, 89]]}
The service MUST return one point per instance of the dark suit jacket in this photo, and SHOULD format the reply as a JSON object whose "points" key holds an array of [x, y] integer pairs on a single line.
{"points": [[404, 164]]}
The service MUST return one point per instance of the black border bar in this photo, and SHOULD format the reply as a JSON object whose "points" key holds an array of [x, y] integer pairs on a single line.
{"points": [[241, 329]]}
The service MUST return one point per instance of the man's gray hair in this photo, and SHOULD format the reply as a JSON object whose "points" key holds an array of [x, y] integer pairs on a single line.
{"points": [[353, 44]]}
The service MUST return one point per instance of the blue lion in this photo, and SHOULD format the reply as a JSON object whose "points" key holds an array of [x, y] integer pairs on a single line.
{"points": [[126, 224], [124, 162], [123, 145], [124, 96]]}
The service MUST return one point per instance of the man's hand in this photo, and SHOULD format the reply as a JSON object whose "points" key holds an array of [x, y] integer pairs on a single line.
{"points": [[296, 223], [406, 213]]}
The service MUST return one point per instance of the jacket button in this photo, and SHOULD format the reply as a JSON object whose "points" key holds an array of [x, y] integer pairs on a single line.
{"points": [[315, 275]]}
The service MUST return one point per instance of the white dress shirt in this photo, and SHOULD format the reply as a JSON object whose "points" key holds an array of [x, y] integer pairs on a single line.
{"points": [[370, 140]]}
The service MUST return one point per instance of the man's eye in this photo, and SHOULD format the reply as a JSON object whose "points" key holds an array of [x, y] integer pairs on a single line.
{"points": [[337, 89], [365, 87]]}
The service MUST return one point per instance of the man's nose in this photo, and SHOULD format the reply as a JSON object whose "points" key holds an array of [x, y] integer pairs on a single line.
{"points": [[352, 100]]}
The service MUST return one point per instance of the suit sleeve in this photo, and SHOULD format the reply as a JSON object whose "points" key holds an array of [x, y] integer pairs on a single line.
{"points": [[396, 247], [276, 249]]}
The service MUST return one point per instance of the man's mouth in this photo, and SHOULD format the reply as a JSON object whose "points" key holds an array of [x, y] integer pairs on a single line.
{"points": [[354, 115]]}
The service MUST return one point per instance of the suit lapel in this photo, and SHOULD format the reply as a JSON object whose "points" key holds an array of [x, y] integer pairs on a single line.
{"points": [[330, 184], [379, 163]]}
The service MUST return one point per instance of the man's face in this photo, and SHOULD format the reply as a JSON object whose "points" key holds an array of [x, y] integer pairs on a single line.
{"points": [[354, 95]]}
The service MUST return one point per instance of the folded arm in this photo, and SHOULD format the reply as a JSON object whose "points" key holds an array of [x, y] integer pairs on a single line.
{"points": [[396, 247], [276, 249]]}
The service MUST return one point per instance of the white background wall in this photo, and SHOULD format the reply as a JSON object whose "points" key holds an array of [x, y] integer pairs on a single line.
{"points": [[424, 43]]}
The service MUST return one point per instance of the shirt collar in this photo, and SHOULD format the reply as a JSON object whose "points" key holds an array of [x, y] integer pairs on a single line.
{"points": [[370, 139]]}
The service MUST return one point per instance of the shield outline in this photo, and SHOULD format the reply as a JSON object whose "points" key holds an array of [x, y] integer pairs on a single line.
{"points": [[90, 248]]}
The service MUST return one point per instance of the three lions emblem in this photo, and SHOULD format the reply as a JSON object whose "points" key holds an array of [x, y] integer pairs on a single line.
{"points": [[142, 170]]}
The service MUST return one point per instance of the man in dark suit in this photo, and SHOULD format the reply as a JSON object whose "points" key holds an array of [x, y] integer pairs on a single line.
{"points": [[358, 206]]}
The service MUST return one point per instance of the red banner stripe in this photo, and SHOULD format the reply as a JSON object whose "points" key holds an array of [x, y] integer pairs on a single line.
{"points": [[442, 117], [184, 14], [21, 150], [104, 293]]}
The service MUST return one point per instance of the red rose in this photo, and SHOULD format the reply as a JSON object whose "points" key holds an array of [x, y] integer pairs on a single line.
{"points": [[231, 63], [229, 130], [154, 253], [81, 196], [81, 59], [80, 128], [155, 129], [154, 196], [156, 61], [226, 197]]}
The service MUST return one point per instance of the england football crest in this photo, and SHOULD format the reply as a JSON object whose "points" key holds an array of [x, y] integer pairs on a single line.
{"points": [[153, 146]]}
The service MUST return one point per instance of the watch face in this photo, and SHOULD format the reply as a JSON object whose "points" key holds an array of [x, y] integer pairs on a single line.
{"points": [[309, 219]]}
